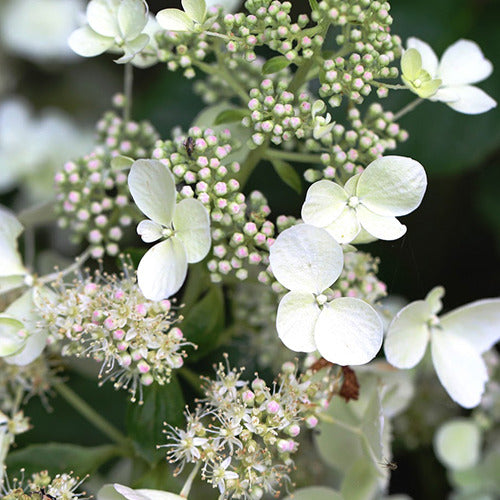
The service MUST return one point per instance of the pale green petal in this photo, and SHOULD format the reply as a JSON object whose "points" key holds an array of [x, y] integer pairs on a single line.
{"points": [[152, 187], [87, 43], [411, 64], [460, 368], [324, 202], [296, 319], [149, 231], [11, 340], [382, 227], [132, 17], [306, 258], [348, 332], [174, 20], [192, 225], [427, 89], [133, 48], [457, 443], [346, 227], [478, 323], [392, 185], [433, 298], [363, 237], [195, 9], [429, 58], [162, 270], [102, 17], [10, 259], [352, 184], [11, 282], [407, 335]]}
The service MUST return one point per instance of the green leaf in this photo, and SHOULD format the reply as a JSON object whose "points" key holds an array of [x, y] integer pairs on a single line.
{"points": [[60, 457], [204, 323], [275, 64], [145, 421], [231, 116], [360, 483], [288, 175]]}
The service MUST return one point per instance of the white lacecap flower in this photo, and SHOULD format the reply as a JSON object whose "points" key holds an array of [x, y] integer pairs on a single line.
{"points": [[367, 206], [451, 79], [457, 340], [119, 492], [191, 19], [347, 331], [115, 25], [185, 225]]}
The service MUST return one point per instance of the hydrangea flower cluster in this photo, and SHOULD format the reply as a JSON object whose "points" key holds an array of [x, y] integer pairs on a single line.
{"points": [[107, 318], [246, 433], [93, 200]]}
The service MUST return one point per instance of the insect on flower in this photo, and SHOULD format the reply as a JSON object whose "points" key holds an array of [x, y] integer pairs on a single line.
{"points": [[189, 145], [389, 465]]}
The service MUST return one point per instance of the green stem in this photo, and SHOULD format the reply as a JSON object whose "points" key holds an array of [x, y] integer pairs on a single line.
{"points": [[390, 85], [278, 154], [73, 267], [127, 91], [92, 416], [251, 162], [408, 108], [187, 485]]}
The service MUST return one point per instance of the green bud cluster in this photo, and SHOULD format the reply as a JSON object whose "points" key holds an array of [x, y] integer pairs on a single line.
{"points": [[93, 199]]}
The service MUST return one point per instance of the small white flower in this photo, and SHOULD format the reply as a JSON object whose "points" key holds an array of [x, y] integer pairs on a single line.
{"points": [[449, 80], [191, 19], [119, 492], [369, 202], [185, 227], [457, 341], [115, 25], [346, 331]]}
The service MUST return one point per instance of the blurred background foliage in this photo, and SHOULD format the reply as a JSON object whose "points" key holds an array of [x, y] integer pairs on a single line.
{"points": [[453, 238]]}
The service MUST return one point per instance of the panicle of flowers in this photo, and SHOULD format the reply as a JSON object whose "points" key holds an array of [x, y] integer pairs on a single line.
{"points": [[245, 433], [93, 199], [241, 233], [106, 317]]}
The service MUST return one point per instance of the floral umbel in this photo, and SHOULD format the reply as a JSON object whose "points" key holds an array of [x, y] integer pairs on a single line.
{"points": [[139, 266]]}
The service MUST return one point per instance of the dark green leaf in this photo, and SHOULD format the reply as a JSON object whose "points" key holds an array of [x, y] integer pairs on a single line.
{"points": [[230, 116], [274, 65], [60, 457], [288, 175], [145, 422]]}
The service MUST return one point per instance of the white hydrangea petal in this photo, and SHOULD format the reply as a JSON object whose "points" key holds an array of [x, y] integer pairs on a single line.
{"points": [[11, 282], [296, 319], [392, 185], [433, 299], [195, 9], [381, 226], [10, 230], [162, 270], [460, 368], [471, 100], [152, 187], [457, 443], [119, 492], [463, 63], [101, 16], [346, 226], [174, 20], [478, 323], [160, 495], [149, 231], [133, 48], [445, 94], [192, 225], [429, 58], [11, 341], [132, 17], [363, 237], [352, 184], [348, 332], [87, 43], [306, 258], [324, 202], [407, 335]]}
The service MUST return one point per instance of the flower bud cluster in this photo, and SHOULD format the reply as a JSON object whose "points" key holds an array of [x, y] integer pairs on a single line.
{"points": [[246, 432], [368, 138], [366, 33], [93, 200], [107, 318], [241, 233]]}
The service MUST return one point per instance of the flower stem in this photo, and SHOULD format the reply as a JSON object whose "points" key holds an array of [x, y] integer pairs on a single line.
{"points": [[92, 416], [251, 162], [127, 91], [278, 154], [73, 267], [189, 482], [408, 108]]}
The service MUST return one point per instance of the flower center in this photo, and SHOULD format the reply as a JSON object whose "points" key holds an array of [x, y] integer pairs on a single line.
{"points": [[321, 299], [167, 232], [353, 201]]}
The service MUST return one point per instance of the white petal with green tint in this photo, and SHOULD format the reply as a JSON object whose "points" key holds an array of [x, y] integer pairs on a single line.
{"points": [[132, 17], [12, 339], [306, 258], [411, 64], [119, 492], [149, 231], [152, 187], [348, 332], [324, 202], [459, 366], [392, 185], [478, 323], [87, 43], [429, 58], [132, 48], [10, 259], [433, 299], [174, 20], [346, 227], [407, 335], [380, 226], [101, 16], [195, 9], [352, 184], [463, 63], [162, 270], [192, 225], [296, 320], [471, 100]]}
